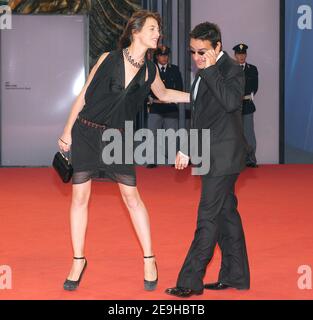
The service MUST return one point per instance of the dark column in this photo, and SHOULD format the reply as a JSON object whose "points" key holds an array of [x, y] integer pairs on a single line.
{"points": [[167, 19], [151, 5], [184, 62]]}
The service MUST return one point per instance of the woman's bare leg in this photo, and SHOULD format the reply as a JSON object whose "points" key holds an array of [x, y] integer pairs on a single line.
{"points": [[141, 223], [79, 220]]}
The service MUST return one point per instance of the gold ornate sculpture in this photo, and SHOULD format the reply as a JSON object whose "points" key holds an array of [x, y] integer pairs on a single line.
{"points": [[55, 6]]}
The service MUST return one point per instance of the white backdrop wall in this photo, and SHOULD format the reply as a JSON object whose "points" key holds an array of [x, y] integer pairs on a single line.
{"points": [[42, 71], [255, 23]]}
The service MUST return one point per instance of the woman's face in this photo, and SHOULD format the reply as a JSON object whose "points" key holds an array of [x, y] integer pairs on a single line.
{"points": [[149, 34]]}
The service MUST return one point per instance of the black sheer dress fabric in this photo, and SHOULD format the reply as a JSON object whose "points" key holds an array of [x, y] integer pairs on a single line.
{"points": [[109, 103]]}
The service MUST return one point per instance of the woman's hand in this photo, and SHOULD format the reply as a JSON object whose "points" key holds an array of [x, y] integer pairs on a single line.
{"points": [[65, 142]]}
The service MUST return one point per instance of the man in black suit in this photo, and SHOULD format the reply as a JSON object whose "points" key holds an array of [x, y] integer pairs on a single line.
{"points": [[216, 97], [164, 115], [248, 107]]}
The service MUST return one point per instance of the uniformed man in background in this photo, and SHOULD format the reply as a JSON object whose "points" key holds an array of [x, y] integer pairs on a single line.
{"points": [[248, 107], [164, 115]]}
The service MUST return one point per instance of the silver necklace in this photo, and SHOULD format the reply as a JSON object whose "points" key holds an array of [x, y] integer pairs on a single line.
{"points": [[131, 60]]}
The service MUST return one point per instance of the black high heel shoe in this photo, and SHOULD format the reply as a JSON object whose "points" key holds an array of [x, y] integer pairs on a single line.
{"points": [[71, 285], [151, 285]]}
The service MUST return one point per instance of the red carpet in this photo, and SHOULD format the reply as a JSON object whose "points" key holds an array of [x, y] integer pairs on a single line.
{"points": [[275, 202]]}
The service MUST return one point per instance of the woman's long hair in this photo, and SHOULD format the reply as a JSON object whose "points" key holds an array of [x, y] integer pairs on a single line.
{"points": [[136, 23]]}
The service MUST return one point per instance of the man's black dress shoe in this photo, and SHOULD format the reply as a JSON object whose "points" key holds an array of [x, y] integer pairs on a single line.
{"points": [[183, 292], [220, 286], [216, 286], [252, 165]]}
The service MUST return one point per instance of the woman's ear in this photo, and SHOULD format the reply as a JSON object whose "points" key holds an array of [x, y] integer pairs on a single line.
{"points": [[133, 35]]}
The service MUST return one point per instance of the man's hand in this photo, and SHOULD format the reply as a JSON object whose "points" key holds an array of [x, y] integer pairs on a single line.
{"points": [[211, 56], [182, 161]]}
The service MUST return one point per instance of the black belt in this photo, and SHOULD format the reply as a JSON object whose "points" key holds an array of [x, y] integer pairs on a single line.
{"points": [[96, 125]]}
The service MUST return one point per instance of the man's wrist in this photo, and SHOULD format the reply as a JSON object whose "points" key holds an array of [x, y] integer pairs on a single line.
{"points": [[183, 155]]}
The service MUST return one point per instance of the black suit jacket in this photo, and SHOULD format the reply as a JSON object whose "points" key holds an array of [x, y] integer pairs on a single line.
{"points": [[218, 107], [251, 85], [172, 80]]}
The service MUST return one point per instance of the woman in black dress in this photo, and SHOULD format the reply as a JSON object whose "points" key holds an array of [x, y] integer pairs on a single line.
{"points": [[114, 93]]}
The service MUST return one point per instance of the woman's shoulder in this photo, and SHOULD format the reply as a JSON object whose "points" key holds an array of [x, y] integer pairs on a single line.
{"points": [[106, 58], [106, 54], [152, 67], [151, 64], [152, 71], [103, 57]]}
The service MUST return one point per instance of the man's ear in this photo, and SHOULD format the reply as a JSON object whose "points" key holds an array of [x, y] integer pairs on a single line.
{"points": [[218, 48]]}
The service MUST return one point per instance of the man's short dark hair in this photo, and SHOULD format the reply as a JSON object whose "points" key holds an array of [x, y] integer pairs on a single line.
{"points": [[207, 31]]}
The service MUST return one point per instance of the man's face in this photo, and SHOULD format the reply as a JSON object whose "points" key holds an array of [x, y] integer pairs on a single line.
{"points": [[162, 59], [197, 49], [241, 58]]}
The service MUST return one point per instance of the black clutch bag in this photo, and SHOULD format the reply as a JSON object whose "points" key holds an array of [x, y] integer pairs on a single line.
{"points": [[63, 167]]}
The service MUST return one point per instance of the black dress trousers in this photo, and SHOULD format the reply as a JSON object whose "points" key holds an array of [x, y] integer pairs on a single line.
{"points": [[218, 222]]}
